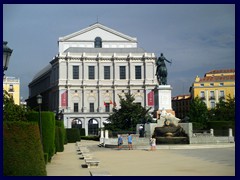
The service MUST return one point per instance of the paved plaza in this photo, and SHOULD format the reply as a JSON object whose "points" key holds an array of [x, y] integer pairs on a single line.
{"points": [[167, 160]]}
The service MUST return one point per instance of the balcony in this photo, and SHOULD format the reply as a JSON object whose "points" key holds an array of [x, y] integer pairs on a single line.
{"points": [[212, 98], [221, 98]]}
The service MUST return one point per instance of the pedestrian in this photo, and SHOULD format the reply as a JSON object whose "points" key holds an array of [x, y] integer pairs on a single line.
{"points": [[120, 141], [153, 143], [130, 141]]}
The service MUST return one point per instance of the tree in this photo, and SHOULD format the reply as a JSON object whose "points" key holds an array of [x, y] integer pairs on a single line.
{"points": [[128, 116], [224, 110], [11, 111], [198, 113]]}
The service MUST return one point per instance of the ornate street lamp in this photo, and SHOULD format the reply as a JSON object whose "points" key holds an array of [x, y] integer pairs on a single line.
{"points": [[39, 101], [6, 55]]}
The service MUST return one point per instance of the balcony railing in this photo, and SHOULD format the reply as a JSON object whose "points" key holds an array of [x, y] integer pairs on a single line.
{"points": [[211, 97]]}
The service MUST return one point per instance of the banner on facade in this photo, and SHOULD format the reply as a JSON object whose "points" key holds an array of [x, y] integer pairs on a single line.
{"points": [[64, 99], [150, 97]]}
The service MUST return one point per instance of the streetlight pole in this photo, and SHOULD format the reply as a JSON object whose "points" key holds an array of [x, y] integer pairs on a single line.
{"points": [[39, 101], [6, 56]]}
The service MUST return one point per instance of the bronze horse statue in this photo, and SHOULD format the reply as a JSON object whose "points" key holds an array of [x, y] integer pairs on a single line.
{"points": [[161, 71]]}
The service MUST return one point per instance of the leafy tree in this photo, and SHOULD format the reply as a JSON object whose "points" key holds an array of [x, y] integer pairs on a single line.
{"points": [[198, 113], [128, 116], [224, 110], [11, 111]]}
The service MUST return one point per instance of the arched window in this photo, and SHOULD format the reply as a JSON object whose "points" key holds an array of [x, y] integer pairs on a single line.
{"points": [[92, 127], [98, 42], [76, 123]]}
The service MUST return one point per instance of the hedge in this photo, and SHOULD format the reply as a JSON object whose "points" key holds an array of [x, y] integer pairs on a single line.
{"points": [[48, 130], [73, 135], [22, 150], [221, 127]]}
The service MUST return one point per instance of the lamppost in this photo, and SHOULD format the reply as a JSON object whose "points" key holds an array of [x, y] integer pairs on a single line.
{"points": [[6, 56], [39, 101]]}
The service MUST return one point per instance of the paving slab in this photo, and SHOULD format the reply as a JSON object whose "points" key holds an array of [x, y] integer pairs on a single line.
{"points": [[165, 161]]}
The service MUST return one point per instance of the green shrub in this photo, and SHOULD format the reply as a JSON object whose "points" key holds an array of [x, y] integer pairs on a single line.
{"points": [[221, 127], [82, 131], [60, 134], [22, 150], [73, 135], [94, 138], [48, 130]]}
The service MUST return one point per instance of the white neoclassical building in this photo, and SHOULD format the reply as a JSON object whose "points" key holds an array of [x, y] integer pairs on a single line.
{"points": [[92, 68]]}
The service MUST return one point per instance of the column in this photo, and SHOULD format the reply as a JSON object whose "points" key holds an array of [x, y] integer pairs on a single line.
{"points": [[106, 134], [102, 134]]}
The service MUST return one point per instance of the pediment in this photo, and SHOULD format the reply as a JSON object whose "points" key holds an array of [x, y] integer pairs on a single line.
{"points": [[97, 30]]}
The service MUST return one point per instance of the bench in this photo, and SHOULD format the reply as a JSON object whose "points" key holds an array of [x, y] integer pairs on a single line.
{"points": [[92, 163], [86, 156], [99, 173]]}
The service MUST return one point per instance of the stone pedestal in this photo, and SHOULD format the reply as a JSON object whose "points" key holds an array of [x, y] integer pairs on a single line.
{"points": [[163, 100]]}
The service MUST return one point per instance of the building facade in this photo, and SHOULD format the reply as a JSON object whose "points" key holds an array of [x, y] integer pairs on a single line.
{"points": [[93, 67], [181, 105], [214, 85], [12, 86]]}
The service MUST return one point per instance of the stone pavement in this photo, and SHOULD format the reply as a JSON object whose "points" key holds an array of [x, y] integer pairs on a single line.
{"points": [[167, 160]]}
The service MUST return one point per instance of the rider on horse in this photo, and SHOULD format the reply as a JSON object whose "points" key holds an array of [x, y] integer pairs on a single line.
{"points": [[161, 71]]}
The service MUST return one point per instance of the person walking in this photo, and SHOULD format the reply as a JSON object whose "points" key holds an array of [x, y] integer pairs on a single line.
{"points": [[153, 143], [120, 142], [130, 141]]}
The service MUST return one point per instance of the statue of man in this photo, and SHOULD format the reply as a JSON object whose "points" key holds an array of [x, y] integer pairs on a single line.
{"points": [[161, 71]]}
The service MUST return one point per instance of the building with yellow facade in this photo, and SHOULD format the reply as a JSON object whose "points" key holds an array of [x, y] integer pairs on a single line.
{"points": [[12, 86], [215, 85]]}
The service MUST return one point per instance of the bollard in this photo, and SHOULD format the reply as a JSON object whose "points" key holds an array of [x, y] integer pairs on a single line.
{"points": [[230, 132], [211, 132]]}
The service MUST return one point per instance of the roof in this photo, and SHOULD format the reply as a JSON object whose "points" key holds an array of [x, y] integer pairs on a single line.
{"points": [[221, 71], [104, 50], [182, 97], [217, 78], [42, 72], [94, 26]]}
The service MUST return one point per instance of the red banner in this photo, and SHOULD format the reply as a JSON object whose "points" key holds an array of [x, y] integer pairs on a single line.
{"points": [[150, 98], [64, 99]]}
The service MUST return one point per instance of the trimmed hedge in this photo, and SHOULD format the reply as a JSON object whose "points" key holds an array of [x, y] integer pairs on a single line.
{"points": [[60, 134], [82, 132], [221, 127], [94, 138], [73, 135], [22, 150], [48, 130]]}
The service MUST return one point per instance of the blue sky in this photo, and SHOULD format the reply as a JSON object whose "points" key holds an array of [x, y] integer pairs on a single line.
{"points": [[197, 37]]}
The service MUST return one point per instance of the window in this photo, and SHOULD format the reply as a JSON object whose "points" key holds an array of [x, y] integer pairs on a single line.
{"points": [[122, 72], [106, 72], [138, 72], [212, 104], [91, 107], [98, 42], [91, 72], [211, 84], [221, 95], [221, 84], [201, 85], [75, 107], [212, 95], [75, 72], [202, 95], [107, 107], [10, 88]]}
